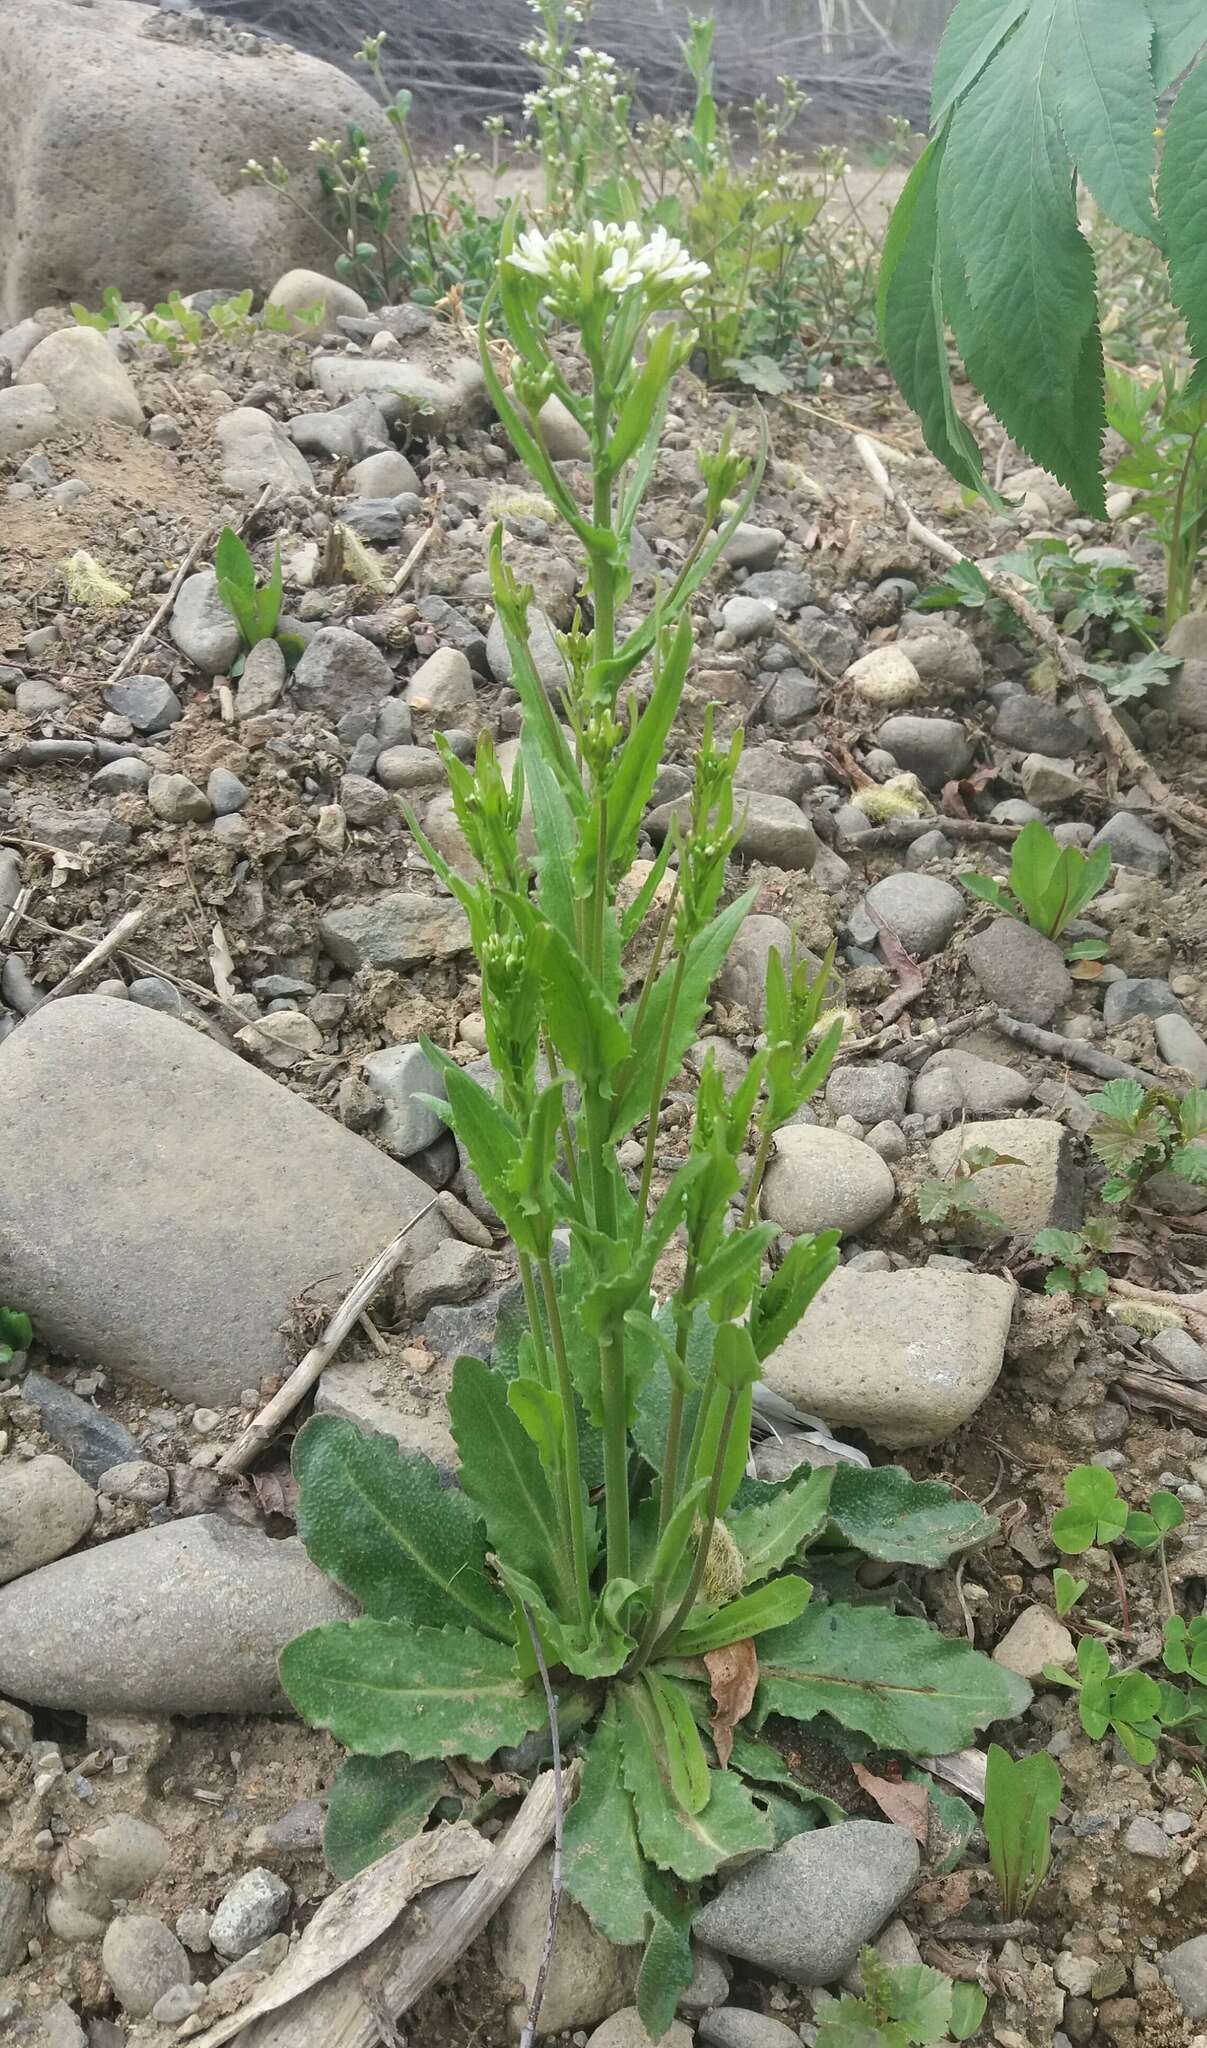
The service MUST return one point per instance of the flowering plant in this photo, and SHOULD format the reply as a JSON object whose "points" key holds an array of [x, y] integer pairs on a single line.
{"points": [[604, 1534]]}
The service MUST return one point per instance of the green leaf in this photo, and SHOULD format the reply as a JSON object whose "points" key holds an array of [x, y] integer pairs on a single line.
{"points": [[1068, 1590], [693, 1845], [910, 310], [1057, 1244], [919, 1999], [1166, 1510], [501, 1471], [603, 1866], [1021, 1798], [382, 1685], [233, 563], [989, 891], [704, 961], [888, 1675], [376, 1803], [667, 1965], [888, 1515], [973, 35], [1192, 1114], [1189, 1162], [16, 1332], [682, 1748], [381, 1522], [779, 1306], [540, 1411], [968, 2008], [1025, 313], [1180, 35], [492, 1141], [1180, 191], [1100, 59], [553, 823], [770, 1533], [771, 1606]]}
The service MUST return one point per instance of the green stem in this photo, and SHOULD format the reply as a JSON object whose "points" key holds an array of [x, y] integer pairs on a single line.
{"points": [[611, 1352], [561, 1491], [658, 1084], [667, 1638], [567, 1133], [756, 1179], [571, 1465], [674, 1421]]}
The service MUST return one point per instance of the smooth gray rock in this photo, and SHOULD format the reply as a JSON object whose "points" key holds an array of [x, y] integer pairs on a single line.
{"points": [[1185, 1971], [923, 910], [384, 474], [184, 1618], [824, 1180], [756, 548], [143, 1961], [589, 1979], [395, 930], [945, 656], [830, 640], [805, 1911], [732, 2026], [793, 699], [364, 802], [340, 672], [201, 626], [150, 704], [92, 1443], [771, 828], [126, 777], [250, 1911], [123, 1856], [404, 391], [743, 978], [1181, 1046], [357, 433], [407, 767], [1048, 780], [1133, 844], [178, 801], [1177, 1349], [45, 1510], [454, 1272], [789, 590], [936, 750], [1020, 970], [1146, 997], [256, 450], [263, 680], [766, 769], [906, 1356], [36, 698], [400, 1074], [164, 1205], [379, 519], [1034, 726], [927, 847], [873, 1093], [747, 618], [443, 687], [981, 1087], [225, 792]]}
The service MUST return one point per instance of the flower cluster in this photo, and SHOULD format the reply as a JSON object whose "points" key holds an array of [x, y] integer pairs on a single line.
{"points": [[608, 257]]}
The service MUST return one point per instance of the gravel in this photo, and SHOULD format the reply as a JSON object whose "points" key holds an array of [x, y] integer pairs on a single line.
{"points": [[1033, 726], [805, 1911], [94, 1443], [747, 618], [921, 909], [250, 1911], [443, 687], [340, 672], [961, 1081], [143, 1961], [225, 792], [1185, 1971], [1020, 970], [824, 1180], [178, 801]]}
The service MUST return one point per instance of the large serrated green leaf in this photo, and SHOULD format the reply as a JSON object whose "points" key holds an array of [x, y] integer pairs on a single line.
{"points": [[1182, 192], [1101, 68], [974, 33], [888, 1675], [501, 1471], [693, 1845], [910, 306], [1025, 315], [769, 1533], [1180, 33], [602, 1861], [376, 1803], [381, 1686], [888, 1515], [382, 1523]]}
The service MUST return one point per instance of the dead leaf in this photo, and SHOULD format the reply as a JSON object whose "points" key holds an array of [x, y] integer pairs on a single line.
{"points": [[908, 1805], [909, 977], [356, 1914], [277, 1492], [222, 963], [733, 1674]]}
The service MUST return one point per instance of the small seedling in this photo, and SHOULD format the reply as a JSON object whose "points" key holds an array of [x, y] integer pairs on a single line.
{"points": [[1141, 1132], [1096, 1514], [1068, 1590], [1021, 1797], [1049, 886], [1126, 1702], [1185, 1646], [16, 1333], [1074, 1252], [907, 2007], [939, 1201], [280, 320], [255, 609], [114, 311], [1148, 1528]]}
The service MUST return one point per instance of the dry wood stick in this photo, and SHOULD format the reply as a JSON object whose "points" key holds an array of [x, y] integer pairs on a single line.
{"points": [[302, 1378], [112, 942], [1188, 817], [889, 1045], [340, 2013], [1075, 1053], [161, 611], [904, 831]]}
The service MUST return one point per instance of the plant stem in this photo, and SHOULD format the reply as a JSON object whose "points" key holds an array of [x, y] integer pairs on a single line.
{"points": [[674, 1421], [611, 1351], [562, 1491], [667, 1638], [1165, 1585], [571, 1465], [756, 1178], [1121, 1588], [656, 1088]]}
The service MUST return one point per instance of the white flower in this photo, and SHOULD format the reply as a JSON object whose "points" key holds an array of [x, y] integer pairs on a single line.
{"points": [[621, 272], [532, 253], [664, 260]]}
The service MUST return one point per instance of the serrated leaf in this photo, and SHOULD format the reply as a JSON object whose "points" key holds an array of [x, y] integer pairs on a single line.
{"points": [[1057, 1244], [1190, 1163], [381, 1686], [377, 1802], [888, 1675], [705, 959], [681, 1747], [1181, 191], [1100, 57], [667, 1964], [1025, 311], [693, 1845], [603, 1865], [974, 33], [778, 1307], [888, 1515], [381, 1522], [770, 1533], [1180, 35], [553, 824], [501, 1471], [919, 1999]]}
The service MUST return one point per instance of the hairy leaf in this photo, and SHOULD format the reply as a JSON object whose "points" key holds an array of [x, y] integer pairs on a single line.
{"points": [[770, 1606], [693, 1845], [381, 1686], [888, 1675], [667, 1965], [769, 1533], [888, 1515], [603, 1864], [382, 1524], [501, 1471], [376, 1803]]}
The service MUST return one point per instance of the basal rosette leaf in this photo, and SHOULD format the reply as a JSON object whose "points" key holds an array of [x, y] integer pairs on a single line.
{"points": [[693, 1845], [501, 1471], [381, 1686], [376, 1803], [888, 1515], [770, 1533]]}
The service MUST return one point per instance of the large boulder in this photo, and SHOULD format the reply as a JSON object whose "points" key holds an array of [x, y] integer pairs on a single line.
{"points": [[122, 154], [164, 1206]]}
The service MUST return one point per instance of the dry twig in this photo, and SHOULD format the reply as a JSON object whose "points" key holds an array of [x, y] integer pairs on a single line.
{"points": [[1074, 1052], [104, 949]]}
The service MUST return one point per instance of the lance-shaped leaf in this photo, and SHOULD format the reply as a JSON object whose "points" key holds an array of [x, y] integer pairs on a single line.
{"points": [[779, 1306], [705, 959], [382, 1523], [380, 1686], [1182, 190], [888, 1675], [554, 825], [637, 767], [376, 1803], [772, 1606], [888, 1515], [667, 1964], [1021, 1797], [501, 1471], [974, 33], [602, 1865], [1180, 34], [693, 1845], [492, 1140], [770, 1533]]}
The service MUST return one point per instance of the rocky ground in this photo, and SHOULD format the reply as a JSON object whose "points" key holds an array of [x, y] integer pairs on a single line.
{"points": [[208, 1134]]}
